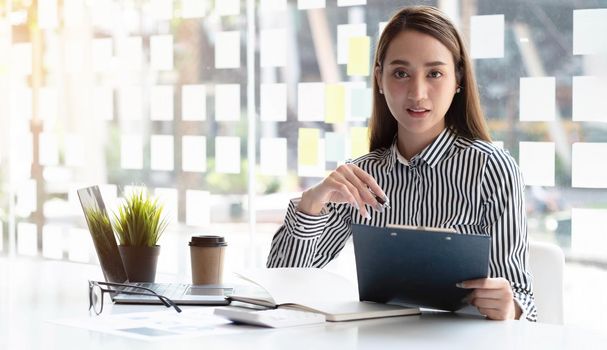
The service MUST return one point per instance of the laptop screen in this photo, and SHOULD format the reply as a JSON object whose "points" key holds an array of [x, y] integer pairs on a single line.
{"points": [[103, 236]]}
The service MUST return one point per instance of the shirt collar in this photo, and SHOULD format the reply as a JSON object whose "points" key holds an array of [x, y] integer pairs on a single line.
{"points": [[432, 154]]}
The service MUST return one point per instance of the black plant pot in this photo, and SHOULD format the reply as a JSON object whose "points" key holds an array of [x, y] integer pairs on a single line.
{"points": [[140, 262]]}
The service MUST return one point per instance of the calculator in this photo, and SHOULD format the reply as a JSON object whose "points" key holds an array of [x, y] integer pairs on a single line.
{"points": [[273, 318]]}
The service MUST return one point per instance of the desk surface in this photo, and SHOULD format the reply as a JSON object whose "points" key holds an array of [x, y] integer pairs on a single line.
{"points": [[35, 291]]}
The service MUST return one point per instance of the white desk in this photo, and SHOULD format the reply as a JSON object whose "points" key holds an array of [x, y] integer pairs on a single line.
{"points": [[33, 292]]}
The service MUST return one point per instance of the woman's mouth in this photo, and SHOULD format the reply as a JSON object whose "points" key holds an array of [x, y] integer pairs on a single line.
{"points": [[418, 112]]}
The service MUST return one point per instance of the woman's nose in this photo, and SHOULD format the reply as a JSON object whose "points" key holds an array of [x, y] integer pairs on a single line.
{"points": [[417, 90]]}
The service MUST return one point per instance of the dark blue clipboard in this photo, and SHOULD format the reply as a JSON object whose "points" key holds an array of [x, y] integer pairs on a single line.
{"points": [[417, 267]]}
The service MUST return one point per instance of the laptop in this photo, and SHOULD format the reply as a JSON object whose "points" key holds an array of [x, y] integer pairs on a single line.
{"points": [[418, 267], [113, 268]]}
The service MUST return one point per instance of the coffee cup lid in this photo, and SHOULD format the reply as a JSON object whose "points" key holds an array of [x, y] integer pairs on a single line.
{"points": [[207, 241]]}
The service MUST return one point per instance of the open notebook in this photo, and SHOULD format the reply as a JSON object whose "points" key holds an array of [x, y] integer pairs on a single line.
{"points": [[314, 290]]}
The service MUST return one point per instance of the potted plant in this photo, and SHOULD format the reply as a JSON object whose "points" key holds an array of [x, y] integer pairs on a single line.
{"points": [[139, 224]]}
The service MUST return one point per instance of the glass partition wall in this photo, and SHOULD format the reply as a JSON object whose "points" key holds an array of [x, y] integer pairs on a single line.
{"points": [[227, 109]]}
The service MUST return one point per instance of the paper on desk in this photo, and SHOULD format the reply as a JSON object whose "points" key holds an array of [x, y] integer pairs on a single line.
{"points": [[154, 326]]}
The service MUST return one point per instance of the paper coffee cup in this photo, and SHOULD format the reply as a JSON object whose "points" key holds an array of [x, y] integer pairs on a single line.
{"points": [[207, 253]]}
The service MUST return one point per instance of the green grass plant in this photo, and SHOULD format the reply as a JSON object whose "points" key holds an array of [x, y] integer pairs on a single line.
{"points": [[139, 220]]}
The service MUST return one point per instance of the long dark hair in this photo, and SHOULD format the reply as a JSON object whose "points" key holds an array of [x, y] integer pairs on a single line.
{"points": [[464, 116]]}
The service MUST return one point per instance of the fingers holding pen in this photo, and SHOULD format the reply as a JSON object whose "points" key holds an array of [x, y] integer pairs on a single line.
{"points": [[364, 188], [349, 191]]}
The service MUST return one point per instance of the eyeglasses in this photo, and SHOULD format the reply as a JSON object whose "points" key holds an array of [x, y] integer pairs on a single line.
{"points": [[96, 292]]}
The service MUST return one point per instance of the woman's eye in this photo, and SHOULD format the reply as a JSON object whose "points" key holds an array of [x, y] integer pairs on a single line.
{"points": [[400, 74], [435, 74]]}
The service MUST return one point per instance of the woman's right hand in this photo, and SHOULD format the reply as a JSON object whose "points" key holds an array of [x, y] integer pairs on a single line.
{"points": [[346, 184]]}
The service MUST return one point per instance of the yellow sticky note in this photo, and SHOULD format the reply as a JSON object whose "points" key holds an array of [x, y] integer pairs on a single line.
{"points": [[358, 55], [307, 145], [359, 141], [335, 103]]}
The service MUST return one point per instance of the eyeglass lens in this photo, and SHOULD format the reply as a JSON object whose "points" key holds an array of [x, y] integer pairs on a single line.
{"points": [[97, 298]]}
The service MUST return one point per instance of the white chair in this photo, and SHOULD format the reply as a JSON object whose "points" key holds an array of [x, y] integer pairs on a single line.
{"points": [[547, 263]]}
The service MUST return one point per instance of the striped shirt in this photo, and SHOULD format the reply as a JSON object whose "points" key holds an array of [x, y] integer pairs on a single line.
{"points": [[467, 185]]}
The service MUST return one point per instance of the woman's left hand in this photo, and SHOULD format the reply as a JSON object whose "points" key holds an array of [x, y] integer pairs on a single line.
{"points": [[493, 297]]}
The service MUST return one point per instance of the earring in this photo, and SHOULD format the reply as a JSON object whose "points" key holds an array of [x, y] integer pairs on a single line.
{"points": [[458, 90], [381, 91]]}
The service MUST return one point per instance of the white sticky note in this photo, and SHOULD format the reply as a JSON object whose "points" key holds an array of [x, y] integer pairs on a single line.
{"points": [[78, 242], [311, 4], [311, 101], [52, 242], [536, 160], [49, 105], [358, 102], [131, 152], [193, 102], [272, 5], [101, 54], [168, 197], [130, 53], [197, 208], [27, 239], [161, 52], [342, 3], [588, 167], [131, 101], [74, 59], [47, 14], [227, 7], [103, 103], [227, 154], [26, 197], [589, 28], [21, 63], [161, 152], [588, 99], [344, 33], [161, 9], [273, 156], [588, 231], [273, 47], [21, 109], [161, 102], [335, 147], [380, 27], [227, 49], [74, 150], [227, 102], [194, 8], [487, 36], [273, 102], [49, 149], [194, 153], [537, 99]]}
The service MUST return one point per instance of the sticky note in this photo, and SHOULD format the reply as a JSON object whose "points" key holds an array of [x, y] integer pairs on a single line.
{"points": [[310, 4], [588, 169], [49, 106], [227, 49], [589, 27], [131, 152], [161, 152], [74, 60], [358, 56], [194, 102], [161, 52], [344, 33], [21, 62], [27, 239], [536, 160], [130, 53], [272, 5], [194, 153], [537, 99], [52, 242], [103, 103], [307, 146], [161, 9], [311, 101], [588, 99], [359, 101], [273, 102], [74, 150], [227, 102], [227, 154], [588, 231], [342, 3], [318, 169], [26, 197], [161, 102], [227, 7], [22, 108], [273, 156], [131, 101], [193, 8], [273, 47], [359, 141], [168, 198], [335, 147], [78, 240], [49, 149], [487, 36], [197, 208], [101, 54], [335, 103], [47, 14]]}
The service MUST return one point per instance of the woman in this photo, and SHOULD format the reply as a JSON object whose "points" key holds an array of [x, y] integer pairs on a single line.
{"points": [[431, 158]]}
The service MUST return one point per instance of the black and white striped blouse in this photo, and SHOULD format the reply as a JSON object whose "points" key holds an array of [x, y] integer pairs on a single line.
{"points": [[467, 185]]}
